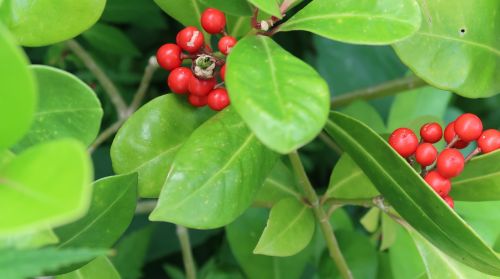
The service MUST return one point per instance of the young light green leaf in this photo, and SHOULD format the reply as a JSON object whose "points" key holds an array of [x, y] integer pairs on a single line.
{"points": [[40, 23], [374, 22], [389, 232], [67, 108], [29, 240], [18, 93], [289, 229], [413, 199], [281, 98], [405, 260], [480, 180], [367, 114], [280, 184], [101, 267], [233, 7], [5, 157], [110, 40], [215, 174], [45, 186], [150, 138], [186, 12], [131, 253], [268, 6], [371, 220]]}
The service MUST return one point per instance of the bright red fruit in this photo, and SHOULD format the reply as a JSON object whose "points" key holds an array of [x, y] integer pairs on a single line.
{"points": [[223, 72], [449, 201], [439, 184], [468, 127], [489, 141], [449, 134], [178, 80], [431, 132], [213, 21], [169, 56], [218, 99], [426, 154], [201, 87], [450, 163], [197, 101], [190, 39], [226, 43], [404, 141]]}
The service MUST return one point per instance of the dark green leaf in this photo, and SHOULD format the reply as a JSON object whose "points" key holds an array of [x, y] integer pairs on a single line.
{"points": [[365, 113], [29, 240], [268, 6], [234, 7], [110, 40], [278, 185], [142, 13], [131, 253], [238, 26], [100, 267], [187, 12]]}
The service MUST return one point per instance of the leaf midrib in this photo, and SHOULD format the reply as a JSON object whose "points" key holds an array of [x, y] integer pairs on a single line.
{"points": [[467, 180], [467, 42], [347, 15]]}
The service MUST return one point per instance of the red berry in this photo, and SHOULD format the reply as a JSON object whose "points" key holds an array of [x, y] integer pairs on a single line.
{"points": [[197, 101], [226, 43], [190, 39], [223, 72], [201, 87], [404, 141], [178, 80], [431, 132], [489, 141], [449, 201], [439, 184], [218, 99], [426, 154], [213, 21], [169, 56], [450, 163], [449, 134], [468, 127]]}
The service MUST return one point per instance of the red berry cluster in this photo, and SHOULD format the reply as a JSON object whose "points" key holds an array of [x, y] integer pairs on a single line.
{"points": [[438, 168], [199, 81]]}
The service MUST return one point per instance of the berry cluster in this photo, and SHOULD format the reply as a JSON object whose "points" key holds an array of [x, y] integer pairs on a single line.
{"points": [[438, 168], [200, 80]]}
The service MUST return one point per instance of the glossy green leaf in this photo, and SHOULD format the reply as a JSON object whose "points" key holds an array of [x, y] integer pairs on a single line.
{"points": [[187, 12], [21, 264], [150, 138], [405, 260], [478, 216], [101, 267], [384, 270], [367, 114], [367, 22], [289, 229], [234, 7], [217, 173], [110, 40], [131, 253], [238, 26], [5, 157], [18, 93], [407, 192], [243, 235], [281, 98], [480, 180], [45, 22], [29, 240], [45, 186], [280, 184], [67, 108], [268, 6], [389, 232], [371, 220], [457, 48]]}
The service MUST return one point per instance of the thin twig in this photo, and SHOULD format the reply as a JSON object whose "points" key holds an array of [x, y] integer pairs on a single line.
{"points": [[330, 143], [187, 255], [145, 207]]}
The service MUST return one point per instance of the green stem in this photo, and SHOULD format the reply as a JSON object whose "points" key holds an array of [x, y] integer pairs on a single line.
{"points": [[187, 255], [330, 143], [385, 89], [326, 228]]}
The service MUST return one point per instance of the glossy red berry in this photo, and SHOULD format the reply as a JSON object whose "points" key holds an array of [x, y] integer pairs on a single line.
{"points": [[449, 134], [178, 80], [223, 72], [213, 21], [226, 43], [449, 201], [404, 141], [489, 141], [169, 56], [190, 39], [439, 184], [197, 101], [450, 163], [468, 127], [426, 154], [201, 87], [218, 99], [431, 132]]}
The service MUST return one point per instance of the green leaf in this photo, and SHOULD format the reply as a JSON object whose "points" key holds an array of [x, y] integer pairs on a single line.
{"points": [[405, 260], [67, 108], [233, 7], [18, 93], [110, 40], [268, 6], [21, 264], [131, 253], [218, 171], [110, 213], [141, 13], [457, 47], [389, 232], [29, 240], [150, 138], [281, 98], [280, 184], [477, 216], [374, 22], [238, 26], [45, 186], [243, 235], [370, 220], [5, 157], [101, 267], [40, 23], [367, 114], [289, 229], [410, 196], [187, 12], [480, 180]]}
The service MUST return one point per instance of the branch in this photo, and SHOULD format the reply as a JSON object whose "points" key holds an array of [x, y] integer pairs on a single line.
{"points": [[187, 255]]}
